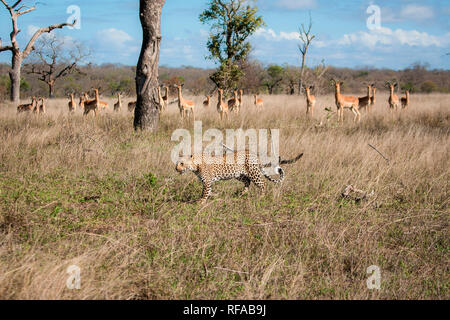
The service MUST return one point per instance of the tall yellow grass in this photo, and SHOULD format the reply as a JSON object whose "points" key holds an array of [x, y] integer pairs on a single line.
{"points": [[92, 192]]}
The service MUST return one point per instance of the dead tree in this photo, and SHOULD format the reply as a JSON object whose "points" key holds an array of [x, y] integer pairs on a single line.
{"points": [[52, 59], [146, 113], [306, 38], [16, 10]]}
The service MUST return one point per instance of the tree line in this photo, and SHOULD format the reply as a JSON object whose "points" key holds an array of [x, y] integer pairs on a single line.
{"points": [[258, 78], [231, 23]]}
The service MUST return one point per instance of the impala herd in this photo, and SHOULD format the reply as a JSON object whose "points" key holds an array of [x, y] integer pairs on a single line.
{"points": [[224, 107]]}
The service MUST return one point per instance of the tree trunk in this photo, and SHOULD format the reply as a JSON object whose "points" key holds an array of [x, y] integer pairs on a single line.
{"points": [[51, 88], [300, 83], [14, 76], [146, 113]]}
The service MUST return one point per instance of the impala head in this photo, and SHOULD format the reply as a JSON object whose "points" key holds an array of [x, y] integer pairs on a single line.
{"points": [[337, 84], [308, 89], [391, 85]]}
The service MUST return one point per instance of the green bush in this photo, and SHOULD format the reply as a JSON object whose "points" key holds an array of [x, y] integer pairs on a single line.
{"points": [[429, 87]]}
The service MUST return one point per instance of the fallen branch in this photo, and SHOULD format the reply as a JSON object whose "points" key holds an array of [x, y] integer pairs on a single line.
{"points": [[357, 195], [387, 160]]}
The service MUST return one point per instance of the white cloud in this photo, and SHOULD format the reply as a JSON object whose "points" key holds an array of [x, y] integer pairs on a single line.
{"points": [[271, 35], [383, 36], [31, 29], [297, 4], [389, 37], [114, 38], [417, 12]]}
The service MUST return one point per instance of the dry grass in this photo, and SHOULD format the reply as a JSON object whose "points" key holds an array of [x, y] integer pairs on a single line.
{"points": [[94, 193]]}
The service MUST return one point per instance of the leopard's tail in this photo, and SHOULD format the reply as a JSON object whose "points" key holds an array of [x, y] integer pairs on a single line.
{"points": [[285, 161], [280, 171], [292, 160]]}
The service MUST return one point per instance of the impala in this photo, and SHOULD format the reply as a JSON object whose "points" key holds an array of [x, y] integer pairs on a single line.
{"points": [[186, 106], [166, 97], [28, 106], [118, 104], [310, 101], [372, 98], [258, 102], [86, 98], [207, 102], [72, 104], [241, 92], [42, 106], [94, 105], [162, 102], [36, 106], [131, 105], [365, 102], [342, 102], [222, 107], [394, 102], [405, 100], [233, 104]]}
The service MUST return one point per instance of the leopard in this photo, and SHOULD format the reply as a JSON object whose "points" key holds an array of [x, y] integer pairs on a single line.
{"points": [[242, 165]]}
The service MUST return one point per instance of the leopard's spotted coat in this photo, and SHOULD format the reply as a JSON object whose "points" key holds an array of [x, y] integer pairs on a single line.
{"points": [[244, 166]]}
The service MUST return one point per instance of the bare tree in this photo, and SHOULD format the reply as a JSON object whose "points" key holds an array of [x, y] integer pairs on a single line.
{"points": [[306, 38], [18, 56], [53, 58], [146, 113]]}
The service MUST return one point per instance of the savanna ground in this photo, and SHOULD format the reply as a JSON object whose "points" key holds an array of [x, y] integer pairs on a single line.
{"points": [[94, 193]]}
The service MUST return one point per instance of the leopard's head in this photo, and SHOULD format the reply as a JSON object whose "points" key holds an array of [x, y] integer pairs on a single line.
{"points": [[185, 164]]}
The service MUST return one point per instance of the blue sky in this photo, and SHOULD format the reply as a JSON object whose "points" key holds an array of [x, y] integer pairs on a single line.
{"points": [[410, 31]]}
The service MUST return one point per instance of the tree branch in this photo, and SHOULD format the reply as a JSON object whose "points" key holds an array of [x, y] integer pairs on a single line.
{"points": [[68, 69], [19, 13], [10, 48], [15, 4], [38, 33], [6, 5]]}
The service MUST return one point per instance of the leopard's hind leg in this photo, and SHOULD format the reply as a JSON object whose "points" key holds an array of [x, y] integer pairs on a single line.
{"points": [[258, 179]]}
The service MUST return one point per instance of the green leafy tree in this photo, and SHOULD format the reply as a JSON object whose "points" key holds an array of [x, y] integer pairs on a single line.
{"points": [[232, 22], [407, 86], [275, 77], [429, 87]]}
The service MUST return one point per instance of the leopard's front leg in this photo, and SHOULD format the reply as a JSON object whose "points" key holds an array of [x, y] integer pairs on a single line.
{"points": [[207, 189]]}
